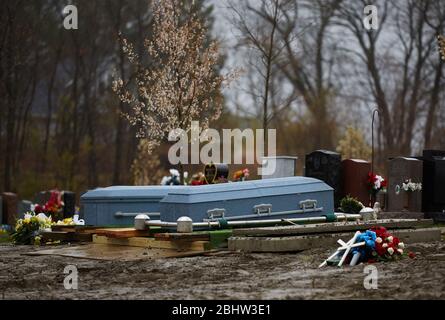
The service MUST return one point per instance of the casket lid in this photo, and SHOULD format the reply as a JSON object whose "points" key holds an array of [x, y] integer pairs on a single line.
{"points": [[128, 192], [246, 189]]}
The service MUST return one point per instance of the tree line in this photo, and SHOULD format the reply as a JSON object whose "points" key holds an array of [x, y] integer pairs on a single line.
{"points": [[311, 70]]}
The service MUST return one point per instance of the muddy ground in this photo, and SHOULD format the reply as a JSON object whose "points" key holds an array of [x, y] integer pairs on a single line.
{"points": [[227, 276]]}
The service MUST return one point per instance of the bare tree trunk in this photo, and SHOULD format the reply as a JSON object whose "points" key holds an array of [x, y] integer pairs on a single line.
{"points": [[434, 103]]}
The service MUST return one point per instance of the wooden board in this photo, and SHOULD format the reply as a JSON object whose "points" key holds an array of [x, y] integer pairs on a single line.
{"points": [[114, 252], [121, 232], [299, 243], [332, 227], [183, 236], [152, 243], [66, 236]]}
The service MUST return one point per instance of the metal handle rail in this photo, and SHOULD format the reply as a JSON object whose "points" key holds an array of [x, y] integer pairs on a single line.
{"points": [[141, 222], [264, 210]]}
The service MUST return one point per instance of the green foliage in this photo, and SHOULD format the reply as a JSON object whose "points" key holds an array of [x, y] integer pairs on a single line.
{"points": [[353, 145], [350, 205]]}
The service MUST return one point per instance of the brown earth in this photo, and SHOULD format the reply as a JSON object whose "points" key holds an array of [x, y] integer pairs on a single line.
{"points": [[227, 276]]}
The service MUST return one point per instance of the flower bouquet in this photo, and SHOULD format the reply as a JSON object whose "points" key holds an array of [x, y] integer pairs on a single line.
{"points": [[53, 207], [27, 230], [376, 183], [241, 175], [198, 179], [410, 186], [373, 245]]}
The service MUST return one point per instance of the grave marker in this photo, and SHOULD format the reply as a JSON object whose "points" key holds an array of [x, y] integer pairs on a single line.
{"points": [[10, 201], [433, 195], [69, 201], [285, 166], [326, 166], [401, 169], [24, 206], [355, 179]]}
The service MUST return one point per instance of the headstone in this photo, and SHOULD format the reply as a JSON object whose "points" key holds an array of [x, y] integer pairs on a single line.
{"points": [[326, 166], [433, 195], [24, 206], [69, 201], [10, 201], [401, 169], [42, 197], [355, 179], [285, 166], [214, 172]]}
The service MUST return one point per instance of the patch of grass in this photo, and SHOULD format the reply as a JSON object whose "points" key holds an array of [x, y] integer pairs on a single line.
{"points": [[5, 239]]}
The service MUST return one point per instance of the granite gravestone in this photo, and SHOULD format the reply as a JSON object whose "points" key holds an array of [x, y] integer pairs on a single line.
{"points": [[285, 166], [69, 204], [433, 195], [10, 202], [326, 166], [401, 169], [42, 197], [24, 206], [355, 179]]}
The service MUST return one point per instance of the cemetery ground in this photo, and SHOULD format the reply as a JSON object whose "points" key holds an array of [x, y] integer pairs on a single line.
{"points": [[228, 275]]}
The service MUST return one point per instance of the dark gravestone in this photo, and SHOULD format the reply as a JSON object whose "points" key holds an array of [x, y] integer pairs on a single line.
{"points": [[10, 201], [433, 195], [355, 179], [69, 201], [326, 166], [42, 197], [24, 206], [399, 170]]}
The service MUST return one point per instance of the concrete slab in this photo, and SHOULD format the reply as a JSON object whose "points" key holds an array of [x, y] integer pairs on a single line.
{"points": [[332, 227], [299, 243]]}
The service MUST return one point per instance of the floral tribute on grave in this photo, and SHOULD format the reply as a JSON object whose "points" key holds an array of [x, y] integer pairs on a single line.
{"points": [[41, 218], [241, 175], [410, 186], [53, 207], [373, 245], [376, 183]]}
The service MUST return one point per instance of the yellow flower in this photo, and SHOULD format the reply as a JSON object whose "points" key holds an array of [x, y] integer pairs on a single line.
{"points": [[26, 221]]}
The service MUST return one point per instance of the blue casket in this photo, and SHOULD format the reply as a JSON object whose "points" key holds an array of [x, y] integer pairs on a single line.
{"points": [[289, 197], [118, 205]]}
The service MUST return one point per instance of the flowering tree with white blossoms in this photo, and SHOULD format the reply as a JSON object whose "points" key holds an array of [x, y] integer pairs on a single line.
{"points": [[180, 84]]}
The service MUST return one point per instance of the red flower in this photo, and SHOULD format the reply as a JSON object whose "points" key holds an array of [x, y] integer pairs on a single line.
{"points": [[412, 255], [380, 232]]}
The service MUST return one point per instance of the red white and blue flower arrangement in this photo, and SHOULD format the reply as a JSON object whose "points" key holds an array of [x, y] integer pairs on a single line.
{"points": [[373, 245]]}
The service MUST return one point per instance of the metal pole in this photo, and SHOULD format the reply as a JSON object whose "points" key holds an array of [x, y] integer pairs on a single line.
{"points": [[372, 138], [249, 223], [372, 148]]}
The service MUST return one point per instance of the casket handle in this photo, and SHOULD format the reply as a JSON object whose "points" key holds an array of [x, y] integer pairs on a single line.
{"points": [[217, 213], [308, 204], [262, 208]]}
